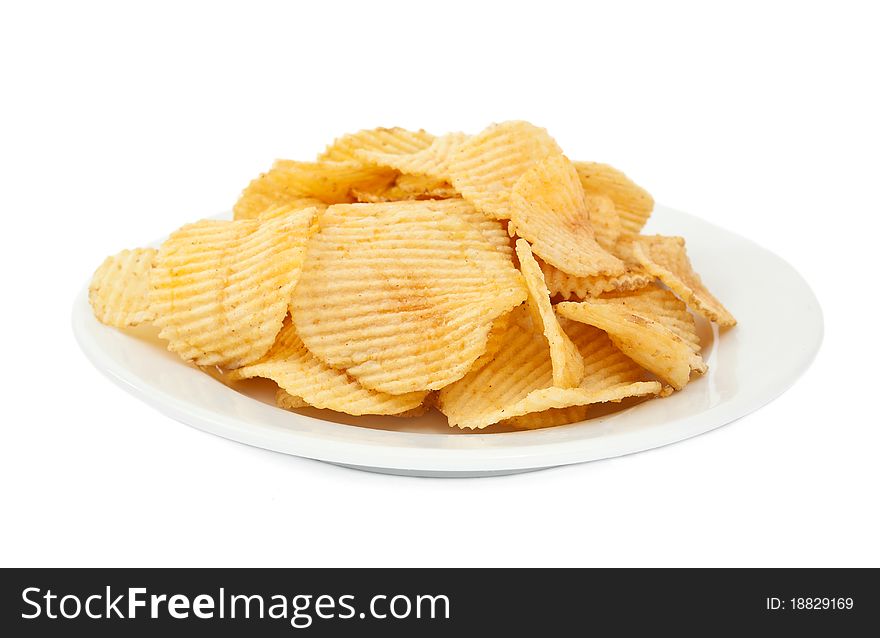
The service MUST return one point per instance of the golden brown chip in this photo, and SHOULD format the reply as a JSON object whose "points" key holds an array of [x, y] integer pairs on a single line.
{"points": [[390, 141], [419, 410], [609, 375], [548, 208], [647, 342], [288, 181], [484, 168], [666, 258], [402, 295], [633, 203], [482, 397], [408, 187], [492, 230], [548, 418], [568, 287], [119, 291], [495, 339], [287, 401], [432, 161], [220, 289], [660, 305], [518, 380], [422, 187], [291, 207], [568, 365], [301, 375], [604, 220]]}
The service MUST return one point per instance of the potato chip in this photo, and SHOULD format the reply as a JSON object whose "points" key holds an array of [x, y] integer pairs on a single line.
{"points": [[396, 194], [433, 161], [288, 181], [285, 400], [419, 410], [494, 341], [660, 305], [492, 230], [484, 168], [548, 208], [388, 141], [569, 287], [402, 295], [408, 187], [220, 289], [633, 203], [291, 207], [567, 362], [518, 380], [303, 376], [609, 375], [624, 250], [548, 418], [422, 187], [666, 258], [119, 291], [604, 220], [482, 397], [647, 342]]}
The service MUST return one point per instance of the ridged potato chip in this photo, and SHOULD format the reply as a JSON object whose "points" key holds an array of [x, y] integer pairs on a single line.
{"points": [[419, 410], [423, 187], [389, 141], [483, 396], [633, 203], [408, 187], [666, 258], [288, 181], [548, 418], [647, 342], [548, 208], [284, 399], [609, 375], [492, 230], [484, 168], [660, 305], [432, 161], [221, 289], [119, 290], [301, 375], [289, 402], [567, 362], [495, 339], [566, 286], [402, 295], [291, 207], [518, 381], [604, 220]]}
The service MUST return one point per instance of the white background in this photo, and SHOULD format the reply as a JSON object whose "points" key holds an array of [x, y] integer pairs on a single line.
{"points": [[121, 123]]}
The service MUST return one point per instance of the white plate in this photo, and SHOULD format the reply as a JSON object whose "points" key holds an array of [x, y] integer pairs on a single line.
{"points": [[779, 332]]}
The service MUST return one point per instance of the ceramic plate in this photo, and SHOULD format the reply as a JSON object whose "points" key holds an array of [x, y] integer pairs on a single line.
{"points": [[779, 332]]}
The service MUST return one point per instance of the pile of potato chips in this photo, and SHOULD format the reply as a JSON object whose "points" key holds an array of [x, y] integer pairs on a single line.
{"points": [[486, 275]]}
